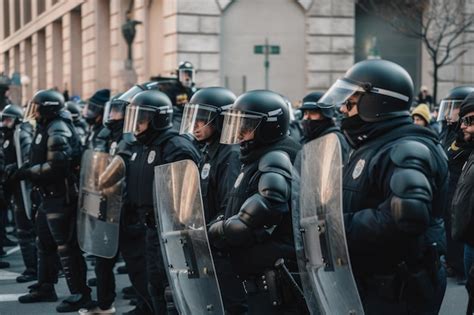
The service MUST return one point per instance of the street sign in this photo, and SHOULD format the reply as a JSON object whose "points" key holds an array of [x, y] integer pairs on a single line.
{"points": [[270, 49]]}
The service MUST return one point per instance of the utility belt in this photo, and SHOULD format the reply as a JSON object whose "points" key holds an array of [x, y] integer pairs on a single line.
{"points": [[66, 188], [281, 286], [417, 285]]}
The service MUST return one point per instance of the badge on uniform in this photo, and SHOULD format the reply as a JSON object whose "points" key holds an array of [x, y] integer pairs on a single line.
{"points": [[38, 139], [113, 146], [358, 168], [205, 171], [151, 156], [238, 180], [6, 143], [134, 155]]}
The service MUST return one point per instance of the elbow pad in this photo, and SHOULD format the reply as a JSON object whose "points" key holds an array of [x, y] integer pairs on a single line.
{"points": [[411, 201], [58, 148], [274, 187]]}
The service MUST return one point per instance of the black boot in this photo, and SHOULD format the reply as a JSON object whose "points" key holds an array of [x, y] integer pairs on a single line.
{"points": [[27, 276], [41, 293], [74, 303]]}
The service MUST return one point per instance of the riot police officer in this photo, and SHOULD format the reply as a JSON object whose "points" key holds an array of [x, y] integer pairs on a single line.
{"points": [[93, 113], [394, 190], [219, 167], [148, 117], [318, 122], [181, 92], [256, 228], [132, 236], [79, 123], [12, 119], [458, 151], [54, 153]]}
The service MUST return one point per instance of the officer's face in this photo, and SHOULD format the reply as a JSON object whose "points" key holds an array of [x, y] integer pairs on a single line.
{"points": [[142, 125], [246, 135], [115, 115], [203, 130], [468, 130], [312, 115], [8, 122], [349, 107], [417, 120]]}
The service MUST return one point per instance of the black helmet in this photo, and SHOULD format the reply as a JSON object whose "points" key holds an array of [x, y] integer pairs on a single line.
{"points": [[386, 90], [153, 107], [263, 112], [74, 109], [47, 103], [207, 106], [451, 103], [95, 105], [13, 112], [186, 73], [310, 102]]}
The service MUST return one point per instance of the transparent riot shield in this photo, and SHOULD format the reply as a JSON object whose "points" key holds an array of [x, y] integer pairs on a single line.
{"points": [[102, 184], [320, 239], [25, 186], [185, 246]]}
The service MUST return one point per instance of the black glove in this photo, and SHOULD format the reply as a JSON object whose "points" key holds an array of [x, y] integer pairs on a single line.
{"points": [[22, 173], [216, 234], [9, 171]]}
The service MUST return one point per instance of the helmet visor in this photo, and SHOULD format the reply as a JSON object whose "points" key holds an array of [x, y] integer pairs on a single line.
{"points": [[239, 127], [127, 96], [196, 117], [92, 110], [449, 111], [338, 94], [137, 119], [186, 77], [114, 110]]}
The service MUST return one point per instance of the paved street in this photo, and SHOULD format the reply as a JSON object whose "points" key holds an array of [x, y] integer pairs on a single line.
{"points": [[454, 302]]}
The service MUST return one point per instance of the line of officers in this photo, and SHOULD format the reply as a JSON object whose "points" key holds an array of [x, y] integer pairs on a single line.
{"points": [[395, 190]]}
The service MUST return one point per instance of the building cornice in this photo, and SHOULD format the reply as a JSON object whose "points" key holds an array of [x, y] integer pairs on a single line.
{"points": [[38, 23]]}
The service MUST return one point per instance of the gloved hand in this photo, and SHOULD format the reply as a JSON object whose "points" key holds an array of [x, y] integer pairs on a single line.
{"points": [[22, 173], [216, 234], [9, 171]]}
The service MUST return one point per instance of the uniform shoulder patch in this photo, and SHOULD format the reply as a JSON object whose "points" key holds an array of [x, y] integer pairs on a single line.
{"points": [[358, 168]]}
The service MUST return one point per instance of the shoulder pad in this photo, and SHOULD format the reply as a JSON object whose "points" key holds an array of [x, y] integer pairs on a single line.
{"points": [[59, 127], [277, 162], [412, 154], [27, 127]]}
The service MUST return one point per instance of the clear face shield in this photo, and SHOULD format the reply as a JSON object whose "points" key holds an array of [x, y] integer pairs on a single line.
{"points": [[449, 111], [91, 110], [239, 127], [137, 119], [196, 117], [186, 77], [339, 93], [8, 121], [114, 110]]}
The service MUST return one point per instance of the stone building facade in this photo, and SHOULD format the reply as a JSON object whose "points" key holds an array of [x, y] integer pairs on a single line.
{"points": [[78, 44]]}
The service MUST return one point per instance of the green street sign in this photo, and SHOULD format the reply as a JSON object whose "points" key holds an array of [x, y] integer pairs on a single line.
{"points": [[258, 49], [274, 50], [261, 49]]}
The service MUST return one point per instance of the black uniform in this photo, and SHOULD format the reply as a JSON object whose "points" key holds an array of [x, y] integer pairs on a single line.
{"points": [[390, 223], [132, 235], [91, 139], [52, 152], [25, 228], [81, 130], [166, 147], [457, 154]]}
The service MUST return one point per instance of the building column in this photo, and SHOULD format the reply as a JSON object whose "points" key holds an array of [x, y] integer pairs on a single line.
{"points": [[26, 69], [38, 48], [54, 56], [330, 42], [72, 52]]}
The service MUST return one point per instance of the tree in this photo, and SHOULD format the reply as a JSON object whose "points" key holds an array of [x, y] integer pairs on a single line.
{"points": [[441, 25]]}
